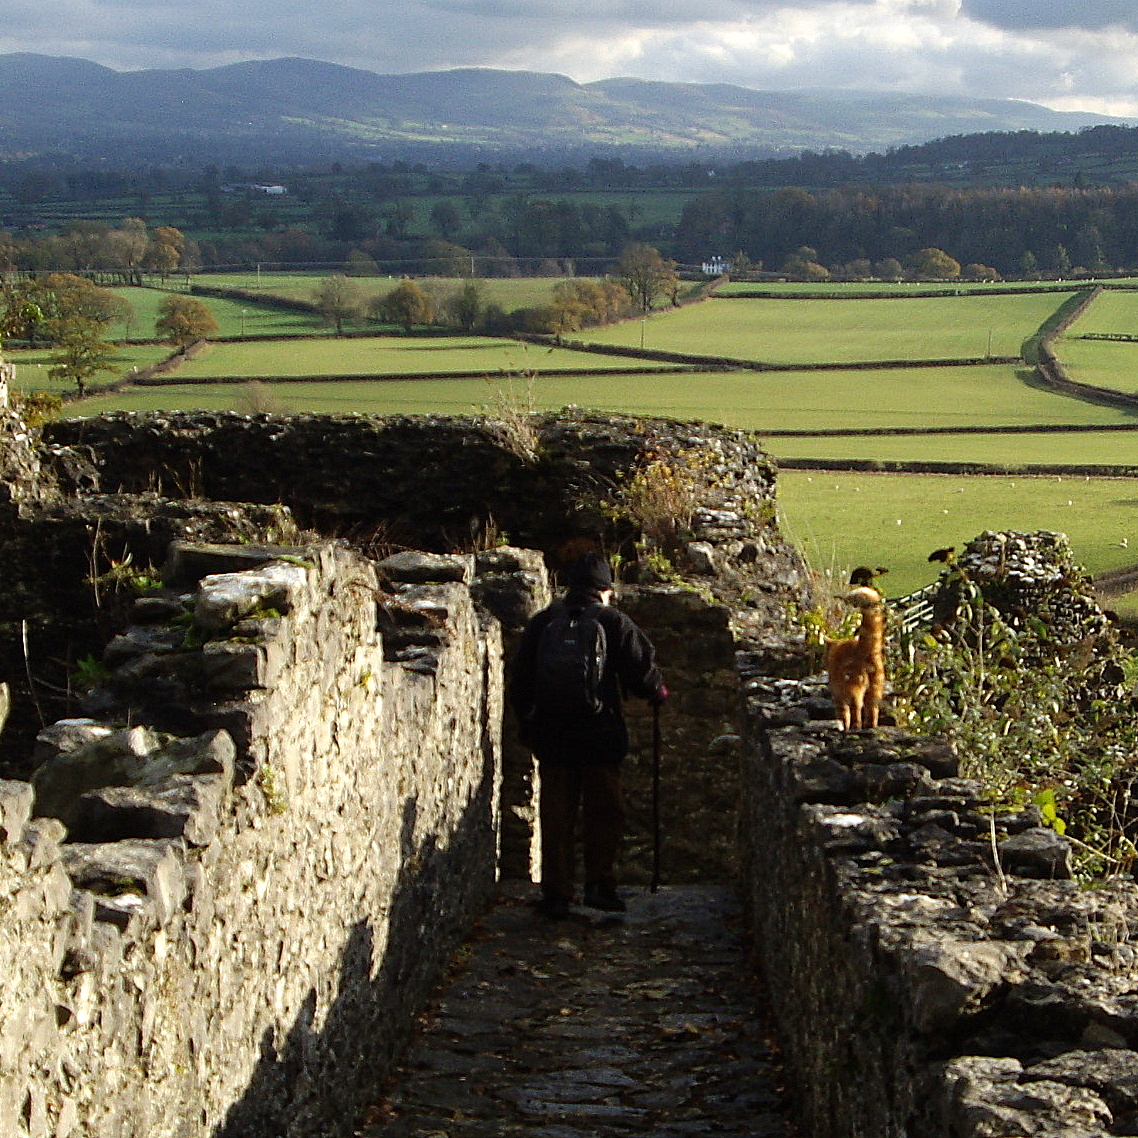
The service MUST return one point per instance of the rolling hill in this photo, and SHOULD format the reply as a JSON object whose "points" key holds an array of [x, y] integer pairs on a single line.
{"points": [[301, 108]]}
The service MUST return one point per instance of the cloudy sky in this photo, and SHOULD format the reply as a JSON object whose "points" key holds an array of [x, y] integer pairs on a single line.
{"points": [[1067, 54]]}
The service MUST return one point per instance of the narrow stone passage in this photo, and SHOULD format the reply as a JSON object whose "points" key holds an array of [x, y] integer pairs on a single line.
{"points": [[599, 1025]]}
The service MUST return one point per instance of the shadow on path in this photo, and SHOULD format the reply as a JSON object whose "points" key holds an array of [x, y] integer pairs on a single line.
{"points": [[599, 1025]]}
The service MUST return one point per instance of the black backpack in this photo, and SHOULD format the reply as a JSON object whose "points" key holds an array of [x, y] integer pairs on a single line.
{"points": [[570, 662]]}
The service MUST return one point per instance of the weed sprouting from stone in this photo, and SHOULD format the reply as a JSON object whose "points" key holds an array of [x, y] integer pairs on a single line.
{"points": [[513, 406], [89, 673]]}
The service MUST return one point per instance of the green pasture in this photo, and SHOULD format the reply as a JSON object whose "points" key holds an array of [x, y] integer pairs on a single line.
{"points": [[234, 318], [385, 355], [821, 331], [32, 366], [979, 396], [1102, 363], [1064, 448], [1112, 311], [509, 292], [841, 290], [841, 520]]}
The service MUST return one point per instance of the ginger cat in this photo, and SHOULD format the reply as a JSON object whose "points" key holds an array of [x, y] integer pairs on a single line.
{"points": [[856, 666]]}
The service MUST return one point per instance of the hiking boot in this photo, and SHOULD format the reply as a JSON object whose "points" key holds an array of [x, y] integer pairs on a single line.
{"points": [[555, 908], [599, 896]]}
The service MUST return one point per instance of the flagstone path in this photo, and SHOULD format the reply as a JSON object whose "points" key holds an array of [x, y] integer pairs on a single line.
{"points": [[644, 1024]]}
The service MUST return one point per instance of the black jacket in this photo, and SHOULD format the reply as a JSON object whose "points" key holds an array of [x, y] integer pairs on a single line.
{"points": [[630, 666]]}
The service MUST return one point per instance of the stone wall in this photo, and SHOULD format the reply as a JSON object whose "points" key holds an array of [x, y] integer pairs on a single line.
{"points": [[932, 967], [265, 870], [236, 942], [276, 854], [69, 565]]}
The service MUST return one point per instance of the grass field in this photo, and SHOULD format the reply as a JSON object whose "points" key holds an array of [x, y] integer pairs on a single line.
{"points": [[509, 292], [382, 355], [1108, 448], [1104, 363], [32, 366], [979, 396], [843, 289], [840, 519], [1114, 310], [233, 317], [820, 331], [896, 520]]}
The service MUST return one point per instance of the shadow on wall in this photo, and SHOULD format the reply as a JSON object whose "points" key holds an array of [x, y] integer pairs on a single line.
{"points": [[321, 1080]]}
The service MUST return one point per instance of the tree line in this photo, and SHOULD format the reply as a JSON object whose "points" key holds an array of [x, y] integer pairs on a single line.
{"points": [[642, 279], [853, 232]]}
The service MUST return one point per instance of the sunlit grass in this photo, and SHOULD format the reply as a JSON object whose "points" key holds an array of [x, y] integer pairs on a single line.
{"points": [[509, 292], [1081, 448], [897, 520], [981, 396], [847, 331], [33, 365], [384, 355]]}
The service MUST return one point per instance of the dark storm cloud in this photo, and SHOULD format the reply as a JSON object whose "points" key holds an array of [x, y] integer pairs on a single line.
{"points": [[1025, 15]]}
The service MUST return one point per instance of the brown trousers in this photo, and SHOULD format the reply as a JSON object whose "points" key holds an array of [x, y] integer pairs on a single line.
{"points": [[592, 791]]}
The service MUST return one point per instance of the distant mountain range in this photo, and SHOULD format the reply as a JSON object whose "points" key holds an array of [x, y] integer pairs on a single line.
{"points": [[300, 109]]}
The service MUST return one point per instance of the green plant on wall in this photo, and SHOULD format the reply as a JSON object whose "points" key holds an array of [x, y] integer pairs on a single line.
{"points": [[123, 574], [89, 673], [1038, 720], [659, 500]]}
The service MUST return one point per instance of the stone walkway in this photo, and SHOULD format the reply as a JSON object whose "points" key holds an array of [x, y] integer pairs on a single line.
{"points": [[642, 1024]]}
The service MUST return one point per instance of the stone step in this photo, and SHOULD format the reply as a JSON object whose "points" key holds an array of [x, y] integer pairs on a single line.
{"points": [[641, 1023]]}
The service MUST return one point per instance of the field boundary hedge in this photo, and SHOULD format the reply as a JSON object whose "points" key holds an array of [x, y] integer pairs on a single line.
{"points": [[896, 466], [265, 300], [1053, 376], [877, 432], [386, 377], [930, 293], [731, 363]]}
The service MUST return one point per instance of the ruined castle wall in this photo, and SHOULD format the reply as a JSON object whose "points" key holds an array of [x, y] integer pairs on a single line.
{"points": [[240, 950], [919, 989]]}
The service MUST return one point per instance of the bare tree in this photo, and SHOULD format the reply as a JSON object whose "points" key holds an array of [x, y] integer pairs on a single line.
{"points": [[646, 275], [338, 299]]}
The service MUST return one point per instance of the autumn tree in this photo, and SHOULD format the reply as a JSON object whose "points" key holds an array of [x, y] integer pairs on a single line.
{"points": [[933, 264], [803, 265], [406, 305], [464, 307], [338, 299], [77, 314], [21, 316], [583, 303], [184, 319], [646, 275], [164, 254], [128, 246]]}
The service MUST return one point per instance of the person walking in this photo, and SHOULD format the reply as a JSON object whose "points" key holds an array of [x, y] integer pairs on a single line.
{"points": [[575, 660]]}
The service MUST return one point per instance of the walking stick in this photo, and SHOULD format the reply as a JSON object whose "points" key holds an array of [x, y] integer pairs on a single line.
{"points": [[655, 797]]}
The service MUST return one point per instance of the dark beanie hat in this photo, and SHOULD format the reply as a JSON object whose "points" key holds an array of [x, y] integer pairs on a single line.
{"points": [[590, 572]]}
